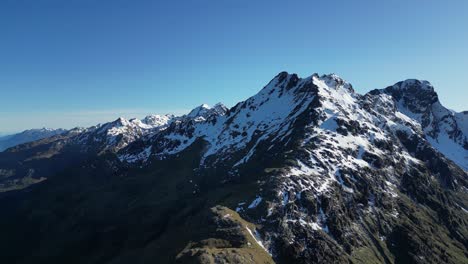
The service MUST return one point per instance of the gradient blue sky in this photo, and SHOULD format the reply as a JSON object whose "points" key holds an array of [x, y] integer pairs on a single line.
{"points": [[81, 62]]}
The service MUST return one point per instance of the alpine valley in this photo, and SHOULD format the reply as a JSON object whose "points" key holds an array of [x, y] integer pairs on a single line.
{"points": [[305, 171]]}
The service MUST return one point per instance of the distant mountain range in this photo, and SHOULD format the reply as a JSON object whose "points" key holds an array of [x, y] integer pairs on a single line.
{"points": [[30, 135], [305, 171]]}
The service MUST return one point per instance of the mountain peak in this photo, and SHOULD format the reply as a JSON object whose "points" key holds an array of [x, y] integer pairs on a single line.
{"points": [[121, 121], [445, 129], [282, 78], [414, 83], [157, 120], [413, 89], [220, 108], [199, 110], [205, 111], [417, 96], [334, 81]]}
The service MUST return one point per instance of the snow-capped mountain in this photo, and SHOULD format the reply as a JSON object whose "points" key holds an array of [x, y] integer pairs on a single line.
{"points": [[157, 120], [305, 171], [121, 132], [27, 136], [446, 130], [410, 105]]}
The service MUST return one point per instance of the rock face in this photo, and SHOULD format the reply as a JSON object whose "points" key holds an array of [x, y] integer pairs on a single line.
{"points": [[446, 130], [315, 172]]}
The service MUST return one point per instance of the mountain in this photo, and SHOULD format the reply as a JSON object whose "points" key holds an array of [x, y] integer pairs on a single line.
{"points": [[27, 136], [305, 171], [32, 162], [446, 130]]}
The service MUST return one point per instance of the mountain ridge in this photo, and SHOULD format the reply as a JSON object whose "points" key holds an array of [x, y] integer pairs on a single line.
{"points": [[306, 171], [26, 136]]}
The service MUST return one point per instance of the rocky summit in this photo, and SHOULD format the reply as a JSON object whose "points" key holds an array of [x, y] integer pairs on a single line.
{"points": [[305, 171]]}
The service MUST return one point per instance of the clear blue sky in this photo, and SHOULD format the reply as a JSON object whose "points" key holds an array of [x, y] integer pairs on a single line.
{"points": [[81, 62]]}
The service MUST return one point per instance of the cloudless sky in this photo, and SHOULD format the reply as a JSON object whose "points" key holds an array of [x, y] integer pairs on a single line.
{"points": [[82, 62]]}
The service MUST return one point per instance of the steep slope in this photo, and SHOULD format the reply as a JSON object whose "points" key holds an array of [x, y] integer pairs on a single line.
{"points": [[28, 136], [446, 130], [316, 173], [267, 115]]}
